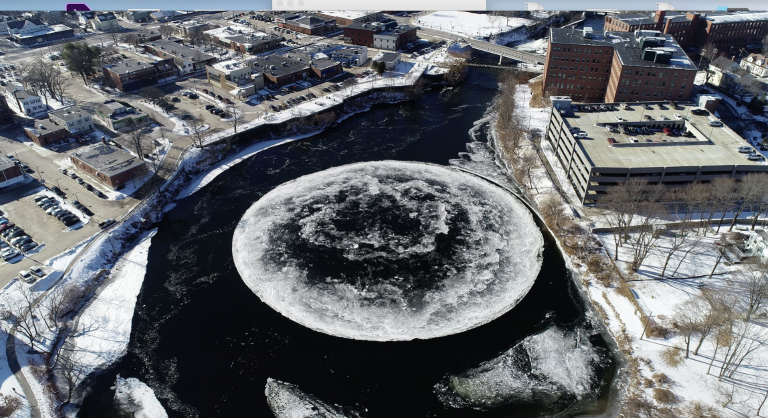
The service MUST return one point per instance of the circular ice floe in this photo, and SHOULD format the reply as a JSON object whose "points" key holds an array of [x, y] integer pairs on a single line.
{"points": [[389, 251]]}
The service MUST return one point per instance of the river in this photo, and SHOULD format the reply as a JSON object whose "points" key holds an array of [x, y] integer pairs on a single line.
{"points": [[206, 344]]}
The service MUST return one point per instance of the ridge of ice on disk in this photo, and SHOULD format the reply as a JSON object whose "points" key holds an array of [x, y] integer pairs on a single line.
{"points": [[288, 401], [552, 366], [389, 251]]}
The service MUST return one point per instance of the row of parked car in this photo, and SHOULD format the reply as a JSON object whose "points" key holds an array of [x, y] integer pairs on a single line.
{"points": [[15, 239], [80, 181], [215, 111], [53, 207], [30, 278]]}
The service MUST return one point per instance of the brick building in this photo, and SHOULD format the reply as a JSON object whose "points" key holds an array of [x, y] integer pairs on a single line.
{"points": [[394, 38], [10, 172], [616, 67], [254, 44], [310, 24], [109, 165], [187, 60], [74, 119], [359, 33], [281, 70], [134, 74], [726, 30], [348, 17], [45, 132]]}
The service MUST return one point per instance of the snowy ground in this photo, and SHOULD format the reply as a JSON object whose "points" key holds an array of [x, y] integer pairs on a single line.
{"points": [[104, 327], [469, 24], [536, 46]]}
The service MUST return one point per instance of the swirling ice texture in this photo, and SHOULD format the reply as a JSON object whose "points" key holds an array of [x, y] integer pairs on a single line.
{"points": [[288, 401], [553, 366], [389, 251]]}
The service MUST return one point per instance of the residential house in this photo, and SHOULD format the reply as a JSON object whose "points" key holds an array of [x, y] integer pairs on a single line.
{"points": [[756, 64], [74, 119], [108, 164], [192, 28], [390, 59], [85, 17], [34, 31], [187, 60], [25, 27], [757, 244], [104, 22], [726, 74], [24, 102], [134, 74], [120, 115], [10, 172], [137, 15]]}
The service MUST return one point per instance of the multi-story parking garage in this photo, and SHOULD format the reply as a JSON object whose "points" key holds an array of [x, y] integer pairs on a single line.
{"points": [[599, 146]]}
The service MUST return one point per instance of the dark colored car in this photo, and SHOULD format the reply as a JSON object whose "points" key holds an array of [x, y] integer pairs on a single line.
{"points": [[106, 223], [58, 191]]}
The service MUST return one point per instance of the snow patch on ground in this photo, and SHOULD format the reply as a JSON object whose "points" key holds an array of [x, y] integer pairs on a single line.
{"points": [[104, 327], [474, 25]]}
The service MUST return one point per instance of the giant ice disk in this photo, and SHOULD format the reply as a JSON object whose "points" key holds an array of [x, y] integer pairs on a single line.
{"points": [[389, 251]]}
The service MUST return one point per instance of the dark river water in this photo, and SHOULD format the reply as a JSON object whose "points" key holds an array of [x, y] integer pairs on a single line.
{"points": [[207, 345]]}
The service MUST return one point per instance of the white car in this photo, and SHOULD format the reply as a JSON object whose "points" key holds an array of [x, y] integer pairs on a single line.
{"points": [[25, 276], [37, 271], [677, 116]]}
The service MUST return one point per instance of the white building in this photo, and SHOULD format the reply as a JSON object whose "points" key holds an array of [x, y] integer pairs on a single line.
{"points": [[349, 55], [24, 102], [26, 27], [105, 22], [74, 119], [756, 64], [390, 59]]}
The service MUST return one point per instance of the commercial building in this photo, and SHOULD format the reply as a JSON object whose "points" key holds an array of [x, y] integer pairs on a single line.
{"points": [[6, 114], [186, 59], [599, 148], [387, 35], [616, 66], [240, 79], [74, 119], [756, 64], [44, 132], [352, 56], [108, 164], [10, 172], [281, 70], [728, 31], [254, 43], [348, 17], [394, 38], [192, 28], [309, 24], [34, 31], [390, 59], [132, 74], [121, 115]]}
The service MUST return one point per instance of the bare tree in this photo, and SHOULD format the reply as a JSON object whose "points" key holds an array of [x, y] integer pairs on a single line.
{"points": [[687, 320], [647, 232], [552, 210], [234, 116], [747, 338], [114, 34], [765, 45], [19, 313], [620, 206], [723, 197], [132, 39], [71, 370], [348, 86], [752, 286], [526, 163], [715, 311], [166, 30], [752, 191], [708, 54], [136, 136], [196, 124], [152, 94]]}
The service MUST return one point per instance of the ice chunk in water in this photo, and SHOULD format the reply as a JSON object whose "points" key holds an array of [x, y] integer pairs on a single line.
{"points": [[547, 367], [136, 399], [389, 250], [288, 401]]}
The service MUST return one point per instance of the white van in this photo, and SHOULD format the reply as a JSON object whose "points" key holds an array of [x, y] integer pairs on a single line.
{"points": [[581, 135]]}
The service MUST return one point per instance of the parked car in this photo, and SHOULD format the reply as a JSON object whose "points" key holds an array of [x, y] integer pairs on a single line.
{"points": [[193, 96], [106, 223], [715, 123], [10, 255], [63, 170], [23, 241], [175, 99], [37, 271], [26, 277], [58, 191], [28, 246], [700, 112]]}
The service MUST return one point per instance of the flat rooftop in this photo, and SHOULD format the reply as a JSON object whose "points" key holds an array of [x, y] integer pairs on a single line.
{"points": [[627, 47], [348, 14], [230, 65], [5, 163], [107, 159], [710, 146], [735, 17]]}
